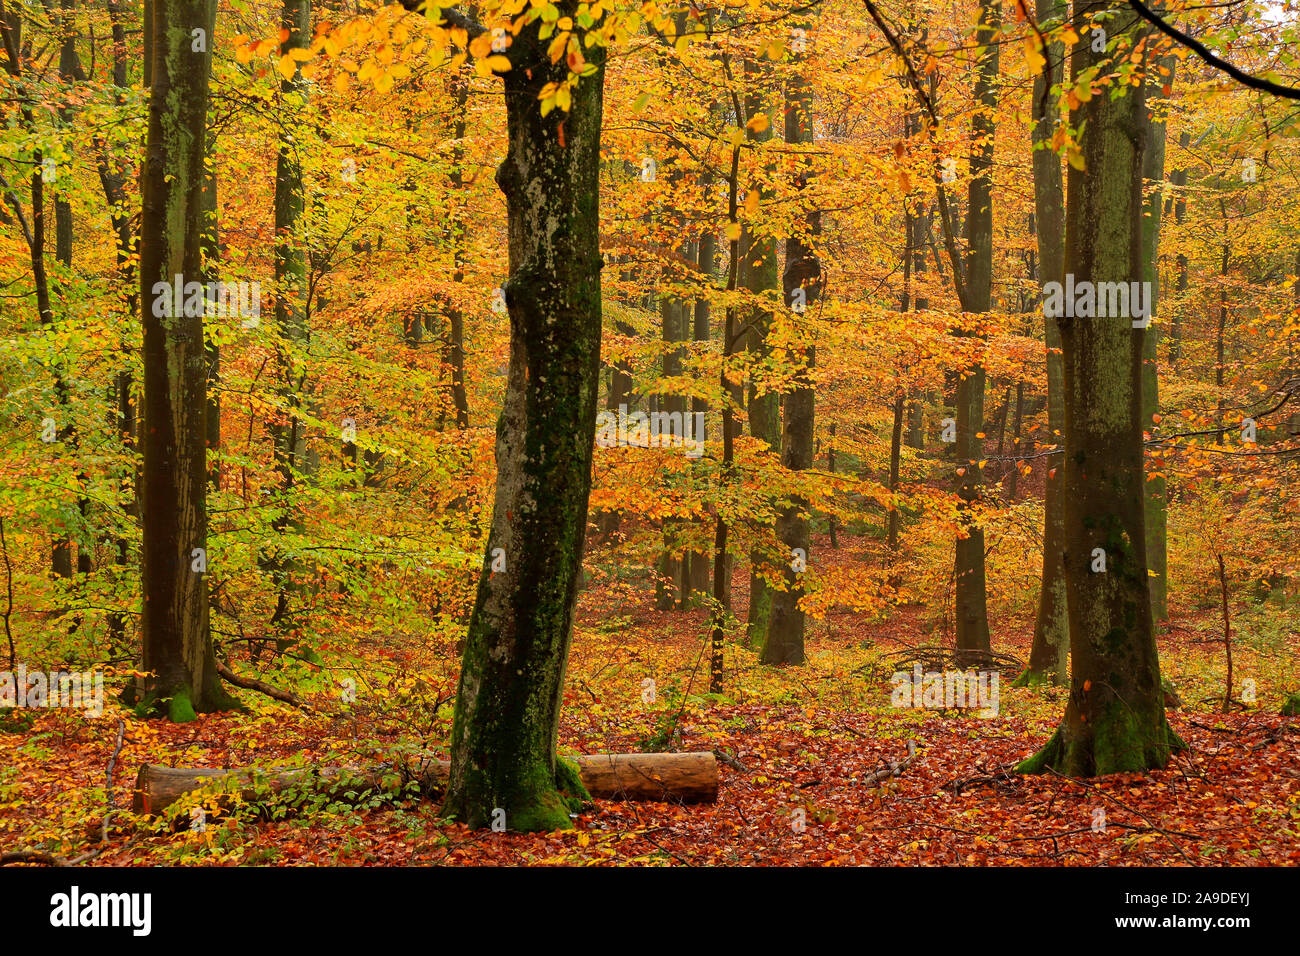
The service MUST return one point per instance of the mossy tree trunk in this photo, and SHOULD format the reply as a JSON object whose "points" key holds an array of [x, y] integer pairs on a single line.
{"points": [[1050, 650], [784, 643], [1115, 719], [177, 643], [758, 275], [512, 675]]}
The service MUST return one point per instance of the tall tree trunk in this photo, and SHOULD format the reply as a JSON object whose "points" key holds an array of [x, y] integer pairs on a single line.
{"points": [[1115, 719], [803, 271], [177, 642], [1049, 652], [288, 434], [1013, 484], [455, 353], [696, 576], [721, 532], [63, 254], [758, 274], [1153, 171], [1179, 179], [971, 598], [516, 651], [676, 327]]}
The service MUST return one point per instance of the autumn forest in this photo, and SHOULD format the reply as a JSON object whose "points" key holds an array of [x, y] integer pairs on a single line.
{"points": [[770, 432]]}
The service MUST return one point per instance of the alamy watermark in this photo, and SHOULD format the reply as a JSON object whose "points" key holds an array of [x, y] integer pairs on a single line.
{"points": [[79, 690], [211, 300], [946, 690], [1085, 300], [656, 430]]}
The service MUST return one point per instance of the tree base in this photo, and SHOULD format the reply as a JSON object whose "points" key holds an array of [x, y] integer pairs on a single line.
{"points": [[1032, 678], [179, 706], [1292, 706], [1120, 750], [543, 807]]}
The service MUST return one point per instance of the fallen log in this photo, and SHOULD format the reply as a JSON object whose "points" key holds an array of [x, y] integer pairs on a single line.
{"points": [[670, 778]]}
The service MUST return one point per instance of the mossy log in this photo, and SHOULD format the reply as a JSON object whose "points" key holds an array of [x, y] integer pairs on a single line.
{"points": [[684, 778]]}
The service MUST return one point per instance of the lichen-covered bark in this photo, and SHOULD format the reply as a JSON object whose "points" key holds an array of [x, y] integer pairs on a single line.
{"points": [[512, 675], [176, 640], [1114, 720], [1049, 653]]}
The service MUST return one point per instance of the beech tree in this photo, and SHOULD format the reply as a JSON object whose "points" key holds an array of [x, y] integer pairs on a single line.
{"points": [[1115, 718], [177, 642], [512, 673]]}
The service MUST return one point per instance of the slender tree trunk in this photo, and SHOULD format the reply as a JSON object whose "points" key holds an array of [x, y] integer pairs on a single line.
{"points": [[758, 274], [676, 327], [1179, 179], [895, 456], [1153, 163], [455, 354], [288, 433], [971, 599], [696, 577], [517, 647], [721, 565], [1115, 719], [1013, 485], [803, 271], [177, 643], [1049, 652]]}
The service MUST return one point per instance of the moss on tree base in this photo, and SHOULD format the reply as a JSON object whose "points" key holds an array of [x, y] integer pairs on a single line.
{"points": [[1292, 706], [1117, 746], [1032, 678], [537, 804], [179, 706]]}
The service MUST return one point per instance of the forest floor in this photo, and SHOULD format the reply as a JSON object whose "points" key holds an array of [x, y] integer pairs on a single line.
{"points": [[797, 744]]}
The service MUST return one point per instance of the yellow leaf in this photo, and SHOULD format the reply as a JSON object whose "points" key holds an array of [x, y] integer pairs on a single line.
{"points": [[286, 67], [732, 232], [1033, 56], [300, 55], [751, 202], [341, 83], [758, 122], [498, 63]]}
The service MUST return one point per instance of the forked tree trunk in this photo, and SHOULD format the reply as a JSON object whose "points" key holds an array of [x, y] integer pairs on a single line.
{"points": [[177, 642], [1115, 718], [517, 648]]}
